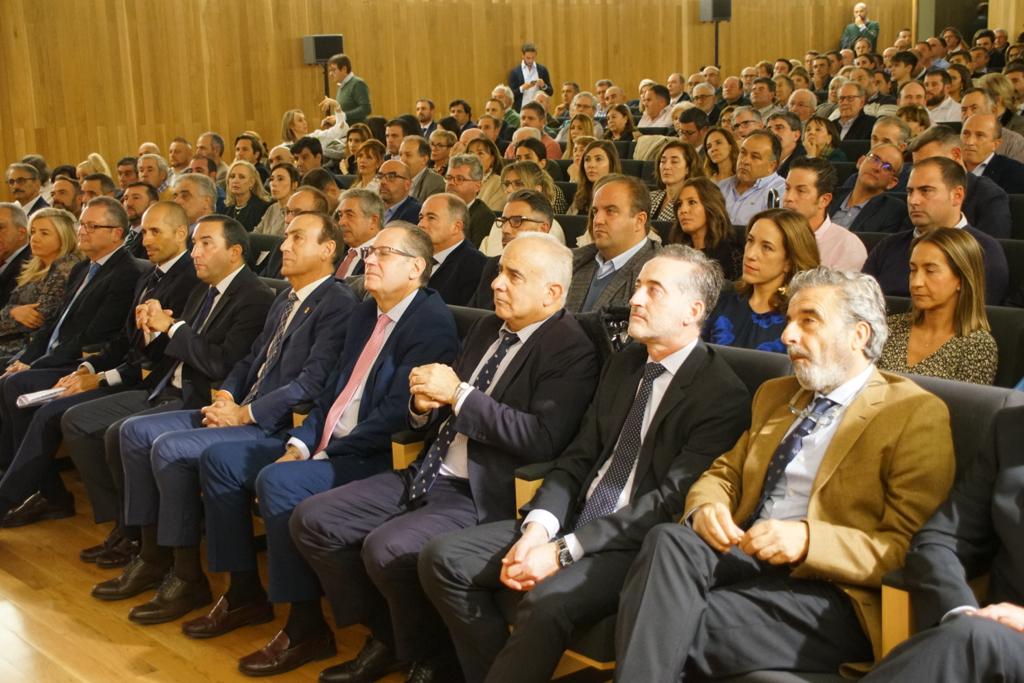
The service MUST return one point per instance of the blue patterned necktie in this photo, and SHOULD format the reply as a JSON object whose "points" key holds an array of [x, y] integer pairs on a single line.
{"points": [[787, 450], [196, 325], [54, 338], [602, 501], [273, 350], [435, 456]]}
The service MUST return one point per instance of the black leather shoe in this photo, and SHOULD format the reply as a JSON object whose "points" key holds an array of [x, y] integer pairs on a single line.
{"points": [[374, 661], [423, 672], [223, 618], [175, 598], [281, 655], [136, 578], [119, 555], [91, 553], [37, 509]]}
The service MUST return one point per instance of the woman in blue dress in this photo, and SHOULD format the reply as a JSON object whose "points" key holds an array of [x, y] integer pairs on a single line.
{"points": [[779, 244]]}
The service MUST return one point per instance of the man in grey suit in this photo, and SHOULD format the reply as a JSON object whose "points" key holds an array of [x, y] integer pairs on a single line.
{"points": [[603, 273], [415, 153]]}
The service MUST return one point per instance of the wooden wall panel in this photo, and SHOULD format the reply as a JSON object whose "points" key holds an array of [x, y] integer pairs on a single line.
{"points": [[103, 75]]}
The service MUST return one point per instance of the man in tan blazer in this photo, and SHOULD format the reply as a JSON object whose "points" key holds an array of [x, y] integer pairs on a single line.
{"points": [[778, 560]]}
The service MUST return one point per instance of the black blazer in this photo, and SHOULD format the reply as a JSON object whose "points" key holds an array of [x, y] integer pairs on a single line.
{"points": [[128, 352], [532, 411], [226, 337], [9, 276], [408, 210], [481, 219], [483, 297], [977, 529], [95, 317], [884, 213], [860, 129], [309, 351], [133, 243], [516, 81], [456, 279], [1007, 173], [249, 215], [702, 414]]}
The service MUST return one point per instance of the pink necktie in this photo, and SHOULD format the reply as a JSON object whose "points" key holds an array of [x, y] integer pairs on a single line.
{"points": [[363, 364], [345, 264]]}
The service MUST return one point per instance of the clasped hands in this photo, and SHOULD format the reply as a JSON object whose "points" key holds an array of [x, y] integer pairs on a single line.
{"points": [[532, 559], [432, 386], [224, 412], [773, 541], [1006, 613], [151, 317]]}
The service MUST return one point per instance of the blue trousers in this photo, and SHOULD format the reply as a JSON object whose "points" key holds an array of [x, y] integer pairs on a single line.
{"points": [[160, 455], [231, 473]]}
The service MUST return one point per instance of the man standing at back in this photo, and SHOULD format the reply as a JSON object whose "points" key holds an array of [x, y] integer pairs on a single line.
{"points": [[604, 272], [529, 78], [353, 93]]}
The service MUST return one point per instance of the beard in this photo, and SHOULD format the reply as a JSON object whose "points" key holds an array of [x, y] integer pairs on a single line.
{"points": [[936, 100], [819, 374]]}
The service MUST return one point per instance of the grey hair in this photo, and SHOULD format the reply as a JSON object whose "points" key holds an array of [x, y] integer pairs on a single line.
{"points": [[707, 278], [702, 87], [476, 169], [526, 132], [203, 185], [18, 215], [557, 258], [587, 94], [861, 298], [854, 84], [505, 91], [161, 163], [756, 114], [370, 202], [901, 124], [838, 82], [416, 241]]}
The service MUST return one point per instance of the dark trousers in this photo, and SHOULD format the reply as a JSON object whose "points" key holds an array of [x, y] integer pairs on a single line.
{"points": [[965, 649], [28, 443], [726, 614], [461, 574], [92, 430], [363, 541], [230, 473]]}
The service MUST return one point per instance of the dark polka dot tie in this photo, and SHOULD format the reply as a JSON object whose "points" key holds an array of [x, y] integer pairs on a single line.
{"points": [[606, 495], [273, 350], [787, 450], [431, 465]]}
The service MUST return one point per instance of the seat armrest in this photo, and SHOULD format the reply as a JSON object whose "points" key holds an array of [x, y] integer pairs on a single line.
{"points": [[405, 448], [534, 471], [528, 480]]}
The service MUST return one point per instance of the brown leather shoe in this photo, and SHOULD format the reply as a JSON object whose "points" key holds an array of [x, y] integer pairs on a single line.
{"points": [[136, 578], [222, 619], [119, 555], [280, 655], [37, 509], [175, 598]]}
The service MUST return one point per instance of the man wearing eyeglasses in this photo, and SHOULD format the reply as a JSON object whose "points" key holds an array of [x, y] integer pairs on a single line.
{"points": [[346, 436], [464, 179], [867, 207], [457, 263], [516, 394], [360, 216], [24, 184], [853, 123], [395, 180], [704, 98], [414, 152]]}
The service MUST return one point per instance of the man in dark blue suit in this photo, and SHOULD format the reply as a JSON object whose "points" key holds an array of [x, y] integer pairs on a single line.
{"points": [[457, 263], [288, 364], [96, 303], [866, 207], [395, 180], [115, 369], [981, 136], [14, 249], [528, 78], [360, 215], [347, 436], [515, 395]]}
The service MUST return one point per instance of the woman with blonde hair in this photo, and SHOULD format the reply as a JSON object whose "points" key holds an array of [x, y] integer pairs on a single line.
{"points": [[946, 332], [720, 154], [94, 163], [441, 143], [597, 159], [677, 162], [246, 201], [293, 125], [369, 158], [580, 126], [780, 244], [524, 175], [42, 283]]}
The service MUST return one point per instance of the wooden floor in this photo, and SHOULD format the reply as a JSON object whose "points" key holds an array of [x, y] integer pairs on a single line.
{"points": [[51, 630]]}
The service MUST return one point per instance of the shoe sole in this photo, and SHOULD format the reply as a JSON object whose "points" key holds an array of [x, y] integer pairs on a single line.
{"points": [[150, 621], [320, 656], [255, 621], [124, 596], [112, 565]]}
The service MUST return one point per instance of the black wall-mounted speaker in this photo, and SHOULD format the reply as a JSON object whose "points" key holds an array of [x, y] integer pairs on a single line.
{"points": [[318, 49], [715, 10]]}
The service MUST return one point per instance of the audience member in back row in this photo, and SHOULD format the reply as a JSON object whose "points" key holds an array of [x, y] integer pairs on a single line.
{"points": [[935, 195], [246, 199], [677, 161], [790, 533], [599, 158], [779, 245], [946, 332], [720, 154], [809, 188], [515, 395], [603, 272], [756, 185], [284, 178], [702, 223], [964, 636], [618, 478]]}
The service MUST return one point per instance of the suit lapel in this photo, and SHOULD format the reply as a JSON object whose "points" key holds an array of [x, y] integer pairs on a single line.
{"points": [[517, 362], [855, 420], [225, 299]]}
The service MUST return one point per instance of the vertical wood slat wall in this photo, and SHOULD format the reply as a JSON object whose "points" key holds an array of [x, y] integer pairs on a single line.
{"points": [[78, 76]]}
